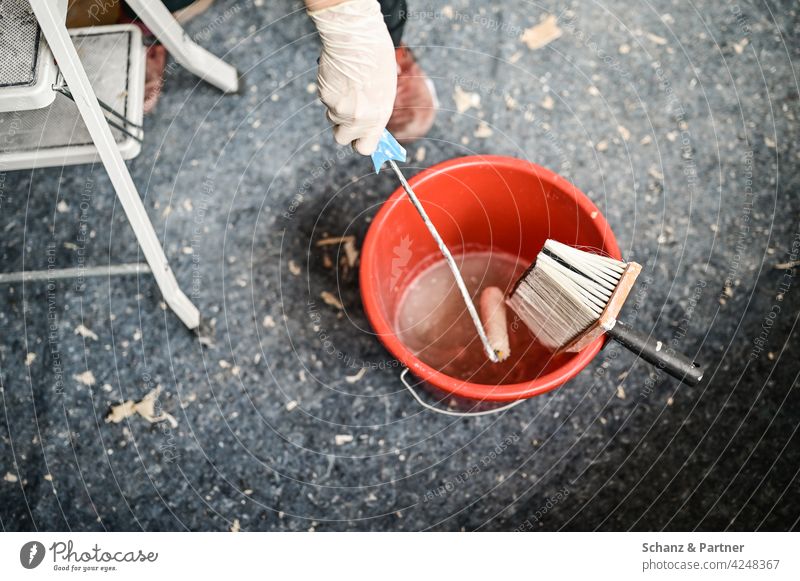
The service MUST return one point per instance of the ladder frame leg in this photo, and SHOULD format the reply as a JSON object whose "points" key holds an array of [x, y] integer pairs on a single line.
{"points": [[183, 49], [55, 31]]}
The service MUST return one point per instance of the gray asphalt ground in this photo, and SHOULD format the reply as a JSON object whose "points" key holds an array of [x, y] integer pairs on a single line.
{"points": [[678, 119]]}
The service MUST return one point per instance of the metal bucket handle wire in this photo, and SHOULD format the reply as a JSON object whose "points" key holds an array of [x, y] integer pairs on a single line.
{"points": [[445, 412]]}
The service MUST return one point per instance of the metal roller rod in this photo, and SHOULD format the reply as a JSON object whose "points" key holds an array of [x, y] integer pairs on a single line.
{"points": [[473, 313]]}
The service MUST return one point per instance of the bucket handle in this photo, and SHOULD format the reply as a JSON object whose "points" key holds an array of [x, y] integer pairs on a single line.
{"points": [[438, 410]]}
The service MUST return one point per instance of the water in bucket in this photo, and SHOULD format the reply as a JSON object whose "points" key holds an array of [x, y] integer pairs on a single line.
{"points": [[433, 322]]}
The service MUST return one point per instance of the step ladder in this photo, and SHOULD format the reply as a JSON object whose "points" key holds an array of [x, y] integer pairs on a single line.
{"points": [[63, 102]]}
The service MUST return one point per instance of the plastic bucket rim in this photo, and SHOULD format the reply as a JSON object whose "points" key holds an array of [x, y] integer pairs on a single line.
{"points": [[385, 332]]}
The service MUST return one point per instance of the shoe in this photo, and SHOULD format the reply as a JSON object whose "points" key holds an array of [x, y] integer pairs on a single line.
{"points": [[157, 55], [154, 75], [415, 105]]}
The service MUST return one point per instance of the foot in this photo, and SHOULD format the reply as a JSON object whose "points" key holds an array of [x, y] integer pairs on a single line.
{"points": [[154, 76], [415, 104], [157, 54]]}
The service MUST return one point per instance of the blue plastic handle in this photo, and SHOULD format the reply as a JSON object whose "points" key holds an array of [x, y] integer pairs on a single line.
{"points": [[388, 148]]}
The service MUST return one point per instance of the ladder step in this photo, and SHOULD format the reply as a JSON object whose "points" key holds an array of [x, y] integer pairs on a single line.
{"points": [[114, 60]]}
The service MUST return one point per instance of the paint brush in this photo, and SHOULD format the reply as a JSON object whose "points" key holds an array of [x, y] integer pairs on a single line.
{"points": [[389, 150], [569, 297]]}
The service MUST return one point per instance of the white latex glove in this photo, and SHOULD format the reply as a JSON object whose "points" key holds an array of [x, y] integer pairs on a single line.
{"points": [[357, 74]]}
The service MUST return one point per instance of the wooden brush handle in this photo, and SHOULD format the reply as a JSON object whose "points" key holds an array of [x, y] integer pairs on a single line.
{"points": [[657, 353]]}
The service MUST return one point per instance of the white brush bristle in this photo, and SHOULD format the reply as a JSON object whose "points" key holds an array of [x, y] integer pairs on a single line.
{"points": [[565, 292]]}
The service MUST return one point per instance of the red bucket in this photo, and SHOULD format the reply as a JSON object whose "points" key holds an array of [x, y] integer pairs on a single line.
{"points": [[493, 202]]}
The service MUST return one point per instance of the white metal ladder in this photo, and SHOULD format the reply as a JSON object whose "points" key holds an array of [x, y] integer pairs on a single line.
{"points": [[51, 19]]}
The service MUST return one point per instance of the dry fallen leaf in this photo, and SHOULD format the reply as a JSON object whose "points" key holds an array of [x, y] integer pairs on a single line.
{"points": [[787, 265], [623, 132], [465, 100], [357, 377], [293, 268], [330, 299], [350, 253], [84, 332], [145, 407], [349, 245], [620, 392], [660, 40], [121, 411], [483, 131], [542, 34], [333, 240], [341, 439], [86, 378]]}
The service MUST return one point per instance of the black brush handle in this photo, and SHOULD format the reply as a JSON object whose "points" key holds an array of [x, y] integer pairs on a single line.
{"points": [[657, 353]]}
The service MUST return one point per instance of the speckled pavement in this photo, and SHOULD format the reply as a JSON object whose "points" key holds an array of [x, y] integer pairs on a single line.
{"points": [[679, 120]]}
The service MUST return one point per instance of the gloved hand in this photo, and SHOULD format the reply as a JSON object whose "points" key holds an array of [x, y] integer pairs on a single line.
{"points": [[357, 74]]}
